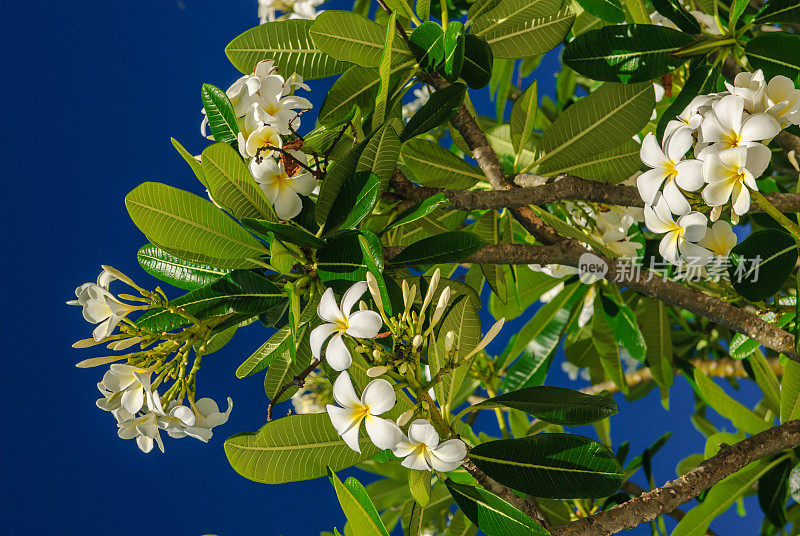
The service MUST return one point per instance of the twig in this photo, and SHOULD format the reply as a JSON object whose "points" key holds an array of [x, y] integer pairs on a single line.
{"points": [[298, 380], [317, 173]]}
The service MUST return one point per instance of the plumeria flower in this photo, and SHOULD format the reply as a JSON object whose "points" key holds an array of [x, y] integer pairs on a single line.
{"points": [[196, 422], [782, 101], [750, 87], [422, 451], [277, 109], [361, 324], [258, 140], [143, 428], [731, 174], [692, 115], [125, 386], [282, 190], [660, 92], [293, 83], [100, 306], [728, 126], [681, 236], [378, 398], [719, 239], [707, 22], [612, 227], [670, 170]]}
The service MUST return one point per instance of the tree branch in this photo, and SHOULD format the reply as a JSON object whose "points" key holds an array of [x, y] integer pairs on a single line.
{"points": [[678, 514], [671, 495], [568, 253], [298, 380]]}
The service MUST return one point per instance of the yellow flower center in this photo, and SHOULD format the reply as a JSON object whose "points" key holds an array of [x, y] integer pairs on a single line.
{"points": [[732, 139]]}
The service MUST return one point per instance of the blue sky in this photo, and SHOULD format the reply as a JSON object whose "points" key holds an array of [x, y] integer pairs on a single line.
{"points": [[92, 92]]}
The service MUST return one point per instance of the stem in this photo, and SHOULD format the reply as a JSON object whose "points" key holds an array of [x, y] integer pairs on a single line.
{"points": [[781, 218]]}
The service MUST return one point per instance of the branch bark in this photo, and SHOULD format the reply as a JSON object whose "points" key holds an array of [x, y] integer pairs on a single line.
{"points": [[671, 495], [568, 252], [678, 514]]}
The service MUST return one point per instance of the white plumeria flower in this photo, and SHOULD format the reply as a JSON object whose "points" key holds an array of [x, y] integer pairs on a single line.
{"points": [[100, 306], [361, 324], [782, 101], [750, 87], [719, 239], [277, 109], [258, 140], [554, 270], [293, 83], [144, 429], [680, 236], [378, 398], [692, 115], [422, 451], [728, 126], [196, 422], [670, 170], [125, 386], [731, 174], [612, 227], [282, 190]]}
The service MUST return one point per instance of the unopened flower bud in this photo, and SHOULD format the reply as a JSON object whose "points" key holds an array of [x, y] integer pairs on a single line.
{"points": [[374, 372], [376, 354], [405, 417], [125, 343], [444, 298], [449, 340], [409, 293], [715, 213], [417, 342], [431, 289], [490, 335], [374, 290], [362, 306]]}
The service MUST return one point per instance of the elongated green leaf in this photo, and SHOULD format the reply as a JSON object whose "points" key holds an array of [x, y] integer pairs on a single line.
{"points": [[461, 526], [176, 220], [606, 118], [402, 8], [790, 392], [523, 117], [478, 60], [384, 70], [176, 271], [197, 168], [266, 354], [557, 466], [499, 137], [773, 490], [388, 492], [779, 11], [419, 517], [297, 447], [240, 291], [528, 286], [742, 417], [221, 117], [337, 174], [622, 321], [479, 8], [761, 263], [231, 184], [626, 53], [419, 211], [293, 234], [427, 44], [775, 53], [523, 28], [606, 347], [654, 319], [419, 482], [556, 405], [288, 44], [453, 50], [380, 155], [340, 263], [612, 165], [355, 200], [720, 498], [674, 11], [767, 381], [353, 38], [435, 166], [742, 346], [439, 108], [446, 247], [608, 10], [492, 514], [362, 517]]}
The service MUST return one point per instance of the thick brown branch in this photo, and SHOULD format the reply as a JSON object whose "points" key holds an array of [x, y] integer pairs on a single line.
{"points": [[643, 281], [671, 495], [632, 489]]}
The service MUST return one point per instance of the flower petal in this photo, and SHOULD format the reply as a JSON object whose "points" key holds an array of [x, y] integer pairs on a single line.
{"points": [[415, 460], [352, 295], [343, 419], [452, 450], [337, 354], [379, 396], [344, 393], [759, 127], [327, 308], [287, 204], [422, 431], [651, 153], [384, 433], [690, 175], [318, 337], [364, 324], [649, 183]]}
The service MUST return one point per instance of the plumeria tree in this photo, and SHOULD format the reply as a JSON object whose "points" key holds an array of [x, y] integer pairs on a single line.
{"points": [[647, 215]]}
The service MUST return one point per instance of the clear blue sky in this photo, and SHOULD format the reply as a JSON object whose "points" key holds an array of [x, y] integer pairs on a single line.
{"points": [[91, 93]]}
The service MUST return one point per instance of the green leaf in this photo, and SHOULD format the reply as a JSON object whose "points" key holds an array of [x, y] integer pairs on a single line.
{"points": [[773, 490], [742, 346], [491, 514], [433, 165], [384, 70], [221, 117], [288, 44], [557, 466], [775, 53], [442, 104], [777, 252], [555, 405], [293, 234], [478, 60], [231, 184], [297, 447], [353, 38], [266, 354], [176, 271], [446, 247], [742, 417], [388, 492], [608, 10], [523, 28], [191, 160], [336, 175], [790, 392], [419, 482], [523, 117], [654, 319], [355, 200], [402, 8], [291, 361], [767, 381], [427, 45], [613, 165], [779, 11], [737, 7], [606, 118], [605, 344], [362, 517], [565, 229], [453, 50], [419, 211], [380, 155], [626, 53], [702, 79], [241, 291], [622, 321], [720, 498], [528, 287], [190, 227], [674, 11], [460, 526], [340, 263]]}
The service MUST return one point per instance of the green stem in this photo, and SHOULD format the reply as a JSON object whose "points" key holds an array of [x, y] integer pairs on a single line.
{"points": [[776, 214]]}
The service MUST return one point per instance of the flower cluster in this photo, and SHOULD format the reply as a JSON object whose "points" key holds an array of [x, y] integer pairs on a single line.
{"points": [[272, 10], [267, 110], [128, 390], [420, 447], [725, 136]]}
